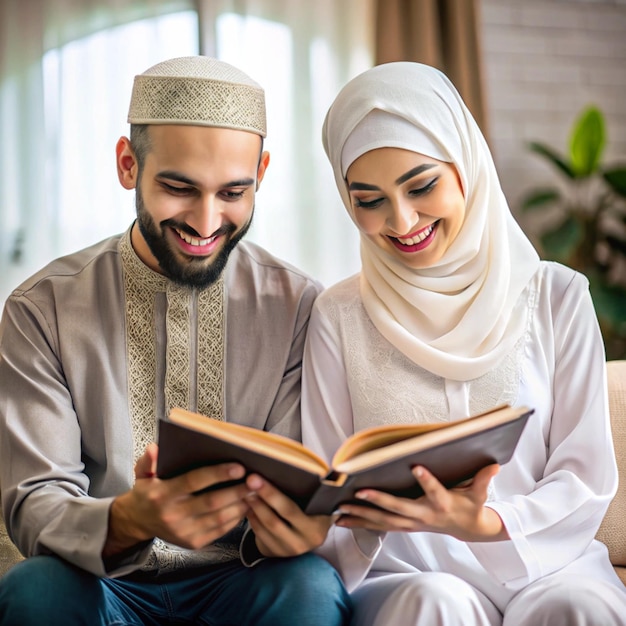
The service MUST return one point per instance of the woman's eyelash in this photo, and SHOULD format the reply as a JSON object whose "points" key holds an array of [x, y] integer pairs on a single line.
{"points": [[372, 204], [426, 188]]}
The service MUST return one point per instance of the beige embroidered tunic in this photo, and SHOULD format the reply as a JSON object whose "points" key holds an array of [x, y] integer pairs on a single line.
{"points": [[96, 346]]}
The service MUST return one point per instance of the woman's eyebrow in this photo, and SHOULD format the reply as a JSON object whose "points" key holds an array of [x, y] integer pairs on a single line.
{"points": [[363, 187], [414, 172], [402, 179]]}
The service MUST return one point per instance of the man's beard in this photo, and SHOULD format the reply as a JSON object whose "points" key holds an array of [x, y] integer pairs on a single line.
{"points": [[193, 271]]}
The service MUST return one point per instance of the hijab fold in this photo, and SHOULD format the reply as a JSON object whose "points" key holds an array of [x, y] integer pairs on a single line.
{"points": [[459, 317]]}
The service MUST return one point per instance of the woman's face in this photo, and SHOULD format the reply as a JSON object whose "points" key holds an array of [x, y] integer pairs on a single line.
{"points": [[410, 205]]}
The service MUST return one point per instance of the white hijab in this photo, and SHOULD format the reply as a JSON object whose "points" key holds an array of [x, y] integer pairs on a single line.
{"points": [[461, 316]]}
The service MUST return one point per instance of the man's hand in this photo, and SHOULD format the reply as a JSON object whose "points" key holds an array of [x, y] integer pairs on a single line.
{"points": [[280, 526], [173, 510], [459, 512]]}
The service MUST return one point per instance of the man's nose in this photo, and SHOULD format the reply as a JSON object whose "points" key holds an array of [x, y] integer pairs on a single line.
{"points": [[206, 216]]}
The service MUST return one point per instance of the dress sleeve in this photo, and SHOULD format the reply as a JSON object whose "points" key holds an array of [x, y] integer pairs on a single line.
{"points": [[569, 482], [326, 423], [46, 504]]}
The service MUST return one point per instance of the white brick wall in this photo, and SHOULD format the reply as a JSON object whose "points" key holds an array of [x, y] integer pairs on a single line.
{"points": [[544, 61]]}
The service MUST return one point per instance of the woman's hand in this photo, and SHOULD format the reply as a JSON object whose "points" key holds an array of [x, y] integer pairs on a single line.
{"points": [[459, 512]]}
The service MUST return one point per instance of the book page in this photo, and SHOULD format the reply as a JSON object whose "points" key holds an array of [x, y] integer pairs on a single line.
{"points": [[270, 444], [381, 447], [379, 437]]}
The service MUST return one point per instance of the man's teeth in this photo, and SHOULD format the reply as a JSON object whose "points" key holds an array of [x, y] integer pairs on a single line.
{"points": [[192, 240], [419, 237]]}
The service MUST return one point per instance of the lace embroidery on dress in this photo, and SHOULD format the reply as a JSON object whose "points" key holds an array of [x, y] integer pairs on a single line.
{"points": [[387, 388], [501, 384], [381, 378], [140, 286]]}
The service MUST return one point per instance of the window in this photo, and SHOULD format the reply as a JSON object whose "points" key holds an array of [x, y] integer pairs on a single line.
{"points": [[299, 216], [60, 119], [87, 86]]}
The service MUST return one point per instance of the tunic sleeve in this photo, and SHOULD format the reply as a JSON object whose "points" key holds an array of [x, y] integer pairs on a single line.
{"points": [[45, 489], [566, 485]]}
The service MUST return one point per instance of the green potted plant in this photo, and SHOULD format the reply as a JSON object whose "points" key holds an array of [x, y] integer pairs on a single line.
{"points": [[584, 221]]}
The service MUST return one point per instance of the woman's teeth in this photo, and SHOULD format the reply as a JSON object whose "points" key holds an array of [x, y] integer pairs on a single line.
{"points": [[419, 237]]}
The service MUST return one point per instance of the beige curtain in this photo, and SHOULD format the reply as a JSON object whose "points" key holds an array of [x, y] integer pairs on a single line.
{"points": [[302, 52], [441, 33]]}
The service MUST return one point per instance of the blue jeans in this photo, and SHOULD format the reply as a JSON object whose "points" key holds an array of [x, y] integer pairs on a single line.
{"points": [[304, 591]]}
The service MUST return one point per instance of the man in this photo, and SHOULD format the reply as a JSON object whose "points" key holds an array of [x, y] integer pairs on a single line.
{"points": [[96, 346]]}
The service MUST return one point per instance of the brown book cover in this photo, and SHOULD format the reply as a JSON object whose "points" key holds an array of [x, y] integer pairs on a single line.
{"points": [[379, 458]]}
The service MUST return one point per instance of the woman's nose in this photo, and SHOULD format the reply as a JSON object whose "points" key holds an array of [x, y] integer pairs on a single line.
{"points": [[403, 219]]}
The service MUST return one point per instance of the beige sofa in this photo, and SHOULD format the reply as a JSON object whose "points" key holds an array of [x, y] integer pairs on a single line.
{"points": [[613, 529]]}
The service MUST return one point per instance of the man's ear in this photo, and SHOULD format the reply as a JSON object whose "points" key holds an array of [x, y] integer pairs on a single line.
{"points": [[264, 161], [126, 161]]}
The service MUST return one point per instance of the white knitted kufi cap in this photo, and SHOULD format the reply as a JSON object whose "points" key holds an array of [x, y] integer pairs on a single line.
{"points": [[198, 91]]}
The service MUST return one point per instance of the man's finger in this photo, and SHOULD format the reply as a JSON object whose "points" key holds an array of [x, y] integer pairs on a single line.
{"points": [[203, 478]]}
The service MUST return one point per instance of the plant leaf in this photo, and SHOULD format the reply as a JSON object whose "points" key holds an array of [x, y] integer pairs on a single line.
{"points": [[587, 141], [609, 303], [616, 178], [561, 242], [553, 157], [539, 198], [616, 244]]}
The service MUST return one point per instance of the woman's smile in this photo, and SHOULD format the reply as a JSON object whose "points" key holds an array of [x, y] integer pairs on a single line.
{"points": [[417, 240], [406, 203]]}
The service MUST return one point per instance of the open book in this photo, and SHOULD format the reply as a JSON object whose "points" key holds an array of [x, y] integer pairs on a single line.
{"points": [[379, 458]]}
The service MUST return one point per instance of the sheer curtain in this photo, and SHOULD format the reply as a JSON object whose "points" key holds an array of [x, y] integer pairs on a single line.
{"points": [[302, 53], [66, 69]]}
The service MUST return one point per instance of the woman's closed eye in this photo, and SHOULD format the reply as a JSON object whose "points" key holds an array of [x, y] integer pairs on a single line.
{"points": [[374, 203], [367, 204], [429, 186]]}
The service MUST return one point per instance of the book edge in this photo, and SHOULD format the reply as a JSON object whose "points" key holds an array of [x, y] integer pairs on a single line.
{"points": [[430, 439], [268, 444]]}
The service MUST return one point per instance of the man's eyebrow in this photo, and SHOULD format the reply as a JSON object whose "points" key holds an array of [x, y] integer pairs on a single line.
{"points": [[243, 182], [181, 178], [414, 172], [177, 176]]}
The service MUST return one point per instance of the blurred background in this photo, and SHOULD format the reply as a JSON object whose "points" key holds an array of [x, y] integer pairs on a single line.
{"points": [[545, 79]]}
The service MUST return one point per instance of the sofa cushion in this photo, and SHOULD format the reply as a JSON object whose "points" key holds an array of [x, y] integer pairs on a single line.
{"points": [[9, 554], [613, 531]]}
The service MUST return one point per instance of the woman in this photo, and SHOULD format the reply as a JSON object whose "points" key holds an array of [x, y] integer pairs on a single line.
{"points": [[452, 314]]}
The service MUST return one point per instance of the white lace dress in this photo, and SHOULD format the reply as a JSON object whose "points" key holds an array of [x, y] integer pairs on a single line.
{"points": [[551, 496]]}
